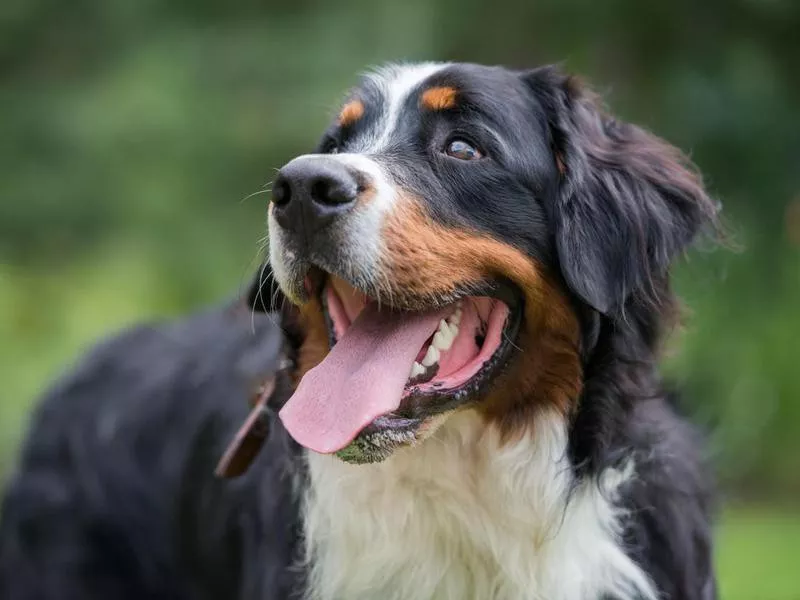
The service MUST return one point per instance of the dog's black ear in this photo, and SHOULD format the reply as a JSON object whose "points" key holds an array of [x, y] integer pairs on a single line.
{"points": [[627, 203], [264, 294]]}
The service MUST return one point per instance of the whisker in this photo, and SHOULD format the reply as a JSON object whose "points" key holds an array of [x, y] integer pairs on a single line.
{"points": [[258, 297], [265, 189], [386, 287], [256, 193], [510, 341], [376, 292], [274, 316]]}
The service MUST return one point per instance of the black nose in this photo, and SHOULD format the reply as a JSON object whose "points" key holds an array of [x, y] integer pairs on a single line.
{"points": [[310, 192]]}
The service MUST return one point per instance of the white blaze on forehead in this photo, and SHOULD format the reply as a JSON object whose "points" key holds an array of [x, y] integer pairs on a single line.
{"points": [[396, 83]]}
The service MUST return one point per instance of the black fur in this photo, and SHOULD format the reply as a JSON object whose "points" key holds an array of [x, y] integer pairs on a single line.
{"points": [[115, 498]]}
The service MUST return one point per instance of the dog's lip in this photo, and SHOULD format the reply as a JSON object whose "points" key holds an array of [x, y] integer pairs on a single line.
{"points": [[404, 426], [315, 279], [421, 405], [425, 402], [499, 288]]}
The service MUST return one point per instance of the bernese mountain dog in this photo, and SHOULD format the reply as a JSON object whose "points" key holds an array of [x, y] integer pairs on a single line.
{"points": [[452, 361]]}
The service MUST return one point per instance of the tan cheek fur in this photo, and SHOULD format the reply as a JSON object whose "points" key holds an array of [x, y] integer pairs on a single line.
{"points": [[426, 259], [315, 345]]}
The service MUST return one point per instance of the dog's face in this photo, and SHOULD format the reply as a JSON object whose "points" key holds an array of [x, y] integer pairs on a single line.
{"points": [[455, 242]]}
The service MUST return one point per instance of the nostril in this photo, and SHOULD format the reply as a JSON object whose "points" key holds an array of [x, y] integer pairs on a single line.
{"points": [[326, 190], [319, 191], [281, 192]]}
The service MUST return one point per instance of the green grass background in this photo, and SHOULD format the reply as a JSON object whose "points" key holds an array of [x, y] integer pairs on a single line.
{"points": [[757, 554]]}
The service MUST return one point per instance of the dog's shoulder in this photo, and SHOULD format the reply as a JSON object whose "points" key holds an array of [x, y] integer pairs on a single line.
{"points": [[669, 505]]}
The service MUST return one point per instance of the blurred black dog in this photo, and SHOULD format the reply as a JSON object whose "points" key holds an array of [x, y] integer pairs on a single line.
{"points": [[472, 280], [115, 495]]}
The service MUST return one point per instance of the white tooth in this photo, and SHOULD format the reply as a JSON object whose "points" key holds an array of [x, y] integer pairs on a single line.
{"points": [[446, 338], [453, 331], [450, 328], [443, 340], [455, 318], [438, 339], [450, 338], [431, 356], [416, 370]]}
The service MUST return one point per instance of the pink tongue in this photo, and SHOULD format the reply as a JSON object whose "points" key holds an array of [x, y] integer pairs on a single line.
{"points": [[362, 378]]}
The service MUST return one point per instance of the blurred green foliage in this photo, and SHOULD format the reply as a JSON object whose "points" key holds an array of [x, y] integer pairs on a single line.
{"points": [[757, 553], [133, 134]]}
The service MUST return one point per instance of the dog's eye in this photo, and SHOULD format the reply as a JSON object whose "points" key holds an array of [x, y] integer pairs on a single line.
{"points": [[462, 150]]}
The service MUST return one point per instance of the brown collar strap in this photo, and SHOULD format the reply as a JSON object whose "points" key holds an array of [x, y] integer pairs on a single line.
{"points": [[248, 441]]}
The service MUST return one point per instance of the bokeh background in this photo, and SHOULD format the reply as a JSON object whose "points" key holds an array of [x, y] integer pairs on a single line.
{"points": [[135, 137]]}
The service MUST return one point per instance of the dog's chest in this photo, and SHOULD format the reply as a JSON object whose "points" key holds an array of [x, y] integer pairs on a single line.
{"points": [[462, 517]]}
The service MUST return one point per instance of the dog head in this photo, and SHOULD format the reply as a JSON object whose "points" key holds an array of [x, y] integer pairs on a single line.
{"points": [[457, 241]]}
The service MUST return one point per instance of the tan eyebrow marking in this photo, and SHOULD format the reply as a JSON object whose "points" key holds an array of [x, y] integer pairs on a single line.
{"points": [[439, 98], [351, 112]]}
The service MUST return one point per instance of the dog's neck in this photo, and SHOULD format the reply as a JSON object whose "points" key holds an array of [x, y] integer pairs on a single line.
{"points": [[464, 515]]}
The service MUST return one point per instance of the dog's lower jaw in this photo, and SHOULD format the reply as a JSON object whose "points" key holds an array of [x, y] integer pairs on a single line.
{"points": [[386, 436], [375, 447], [463, 515]]}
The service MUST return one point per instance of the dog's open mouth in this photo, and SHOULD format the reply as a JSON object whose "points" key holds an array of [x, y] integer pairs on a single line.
{"points": [[390, 370]]}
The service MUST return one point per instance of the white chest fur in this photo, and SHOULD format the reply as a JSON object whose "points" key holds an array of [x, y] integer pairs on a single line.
{"points": [[463, 517]]}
